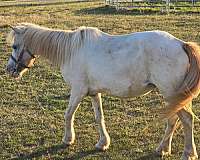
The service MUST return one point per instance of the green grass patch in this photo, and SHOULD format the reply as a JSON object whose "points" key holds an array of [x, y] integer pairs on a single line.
{"points": [[32, 110]]}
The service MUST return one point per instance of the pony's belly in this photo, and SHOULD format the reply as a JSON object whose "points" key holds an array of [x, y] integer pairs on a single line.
{"points": [[121, 91], [130, 93]]}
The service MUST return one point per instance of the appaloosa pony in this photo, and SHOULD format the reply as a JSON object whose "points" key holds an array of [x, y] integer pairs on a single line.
{"points": [[93, 62]]}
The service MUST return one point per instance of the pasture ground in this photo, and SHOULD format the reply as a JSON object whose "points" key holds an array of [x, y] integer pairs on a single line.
{"points": [[32, 110]]}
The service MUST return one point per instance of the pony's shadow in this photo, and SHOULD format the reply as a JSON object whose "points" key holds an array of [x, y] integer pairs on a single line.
{"points": [[38, 153], [82, 154], [150, 156], [54, 150]]}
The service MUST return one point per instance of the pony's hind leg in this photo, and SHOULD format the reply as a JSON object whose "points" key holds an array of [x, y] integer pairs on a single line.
{"points": [[165, 145], [187, 118], [104, 141]]}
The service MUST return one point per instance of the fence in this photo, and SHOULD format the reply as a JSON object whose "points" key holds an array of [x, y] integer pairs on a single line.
{"points": [[164, 4]]}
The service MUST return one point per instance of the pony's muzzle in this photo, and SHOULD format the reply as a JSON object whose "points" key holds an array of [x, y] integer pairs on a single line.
{"points": [[12, 71]]}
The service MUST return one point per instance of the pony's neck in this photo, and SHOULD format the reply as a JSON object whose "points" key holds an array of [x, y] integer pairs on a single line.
{"points": [[54, 45]]}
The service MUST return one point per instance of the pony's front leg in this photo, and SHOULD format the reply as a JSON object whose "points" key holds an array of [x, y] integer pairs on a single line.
{"points": [[187, 119], [104, 141], [77, 93], [165, 145]]}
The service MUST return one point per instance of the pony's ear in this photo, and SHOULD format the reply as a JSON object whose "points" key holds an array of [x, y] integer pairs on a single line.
{"points": [[16, 29]]}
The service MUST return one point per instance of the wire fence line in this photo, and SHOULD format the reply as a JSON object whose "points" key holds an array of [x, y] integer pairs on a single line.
{"points": [[8, 3], [166, 4]]}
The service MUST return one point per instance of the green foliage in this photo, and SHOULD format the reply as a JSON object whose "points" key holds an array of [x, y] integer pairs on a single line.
{"points": [[32, 110]]}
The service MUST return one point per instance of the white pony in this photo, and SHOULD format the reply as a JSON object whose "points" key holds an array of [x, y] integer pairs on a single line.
{"points": [[93, 62]]}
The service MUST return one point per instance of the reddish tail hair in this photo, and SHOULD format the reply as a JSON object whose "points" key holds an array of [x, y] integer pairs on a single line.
{"points": [[190, 86]]}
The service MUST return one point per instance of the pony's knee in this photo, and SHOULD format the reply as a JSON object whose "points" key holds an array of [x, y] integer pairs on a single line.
{"points": [[67, 116], [99, 119]]}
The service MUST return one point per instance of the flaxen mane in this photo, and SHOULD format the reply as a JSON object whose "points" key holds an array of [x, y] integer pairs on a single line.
{"points": [[55, 45]]}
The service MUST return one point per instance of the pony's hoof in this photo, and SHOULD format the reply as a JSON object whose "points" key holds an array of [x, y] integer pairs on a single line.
{"points": [[68, 141], [101, 147], [103, 144], [186, 156], [161, 152]]}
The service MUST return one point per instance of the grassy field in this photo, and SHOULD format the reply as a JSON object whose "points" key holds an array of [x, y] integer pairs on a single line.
{"points": [[32, 110]]}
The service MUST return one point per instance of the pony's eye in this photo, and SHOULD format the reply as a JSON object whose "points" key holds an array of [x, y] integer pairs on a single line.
{"points": [[14, 47]]}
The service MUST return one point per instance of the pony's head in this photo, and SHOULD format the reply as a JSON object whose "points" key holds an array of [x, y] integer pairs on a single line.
{"points": [[21, 58]]}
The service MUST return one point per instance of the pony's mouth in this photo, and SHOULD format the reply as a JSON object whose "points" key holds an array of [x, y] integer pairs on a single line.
{"points": [[13, 73], [16, 74]]}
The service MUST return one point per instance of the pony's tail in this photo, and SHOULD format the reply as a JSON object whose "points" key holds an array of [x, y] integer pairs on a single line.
{"points": [[190, 86]]}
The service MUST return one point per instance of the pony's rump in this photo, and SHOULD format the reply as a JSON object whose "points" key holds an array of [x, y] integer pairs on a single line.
{"points": [[189, 88]]}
